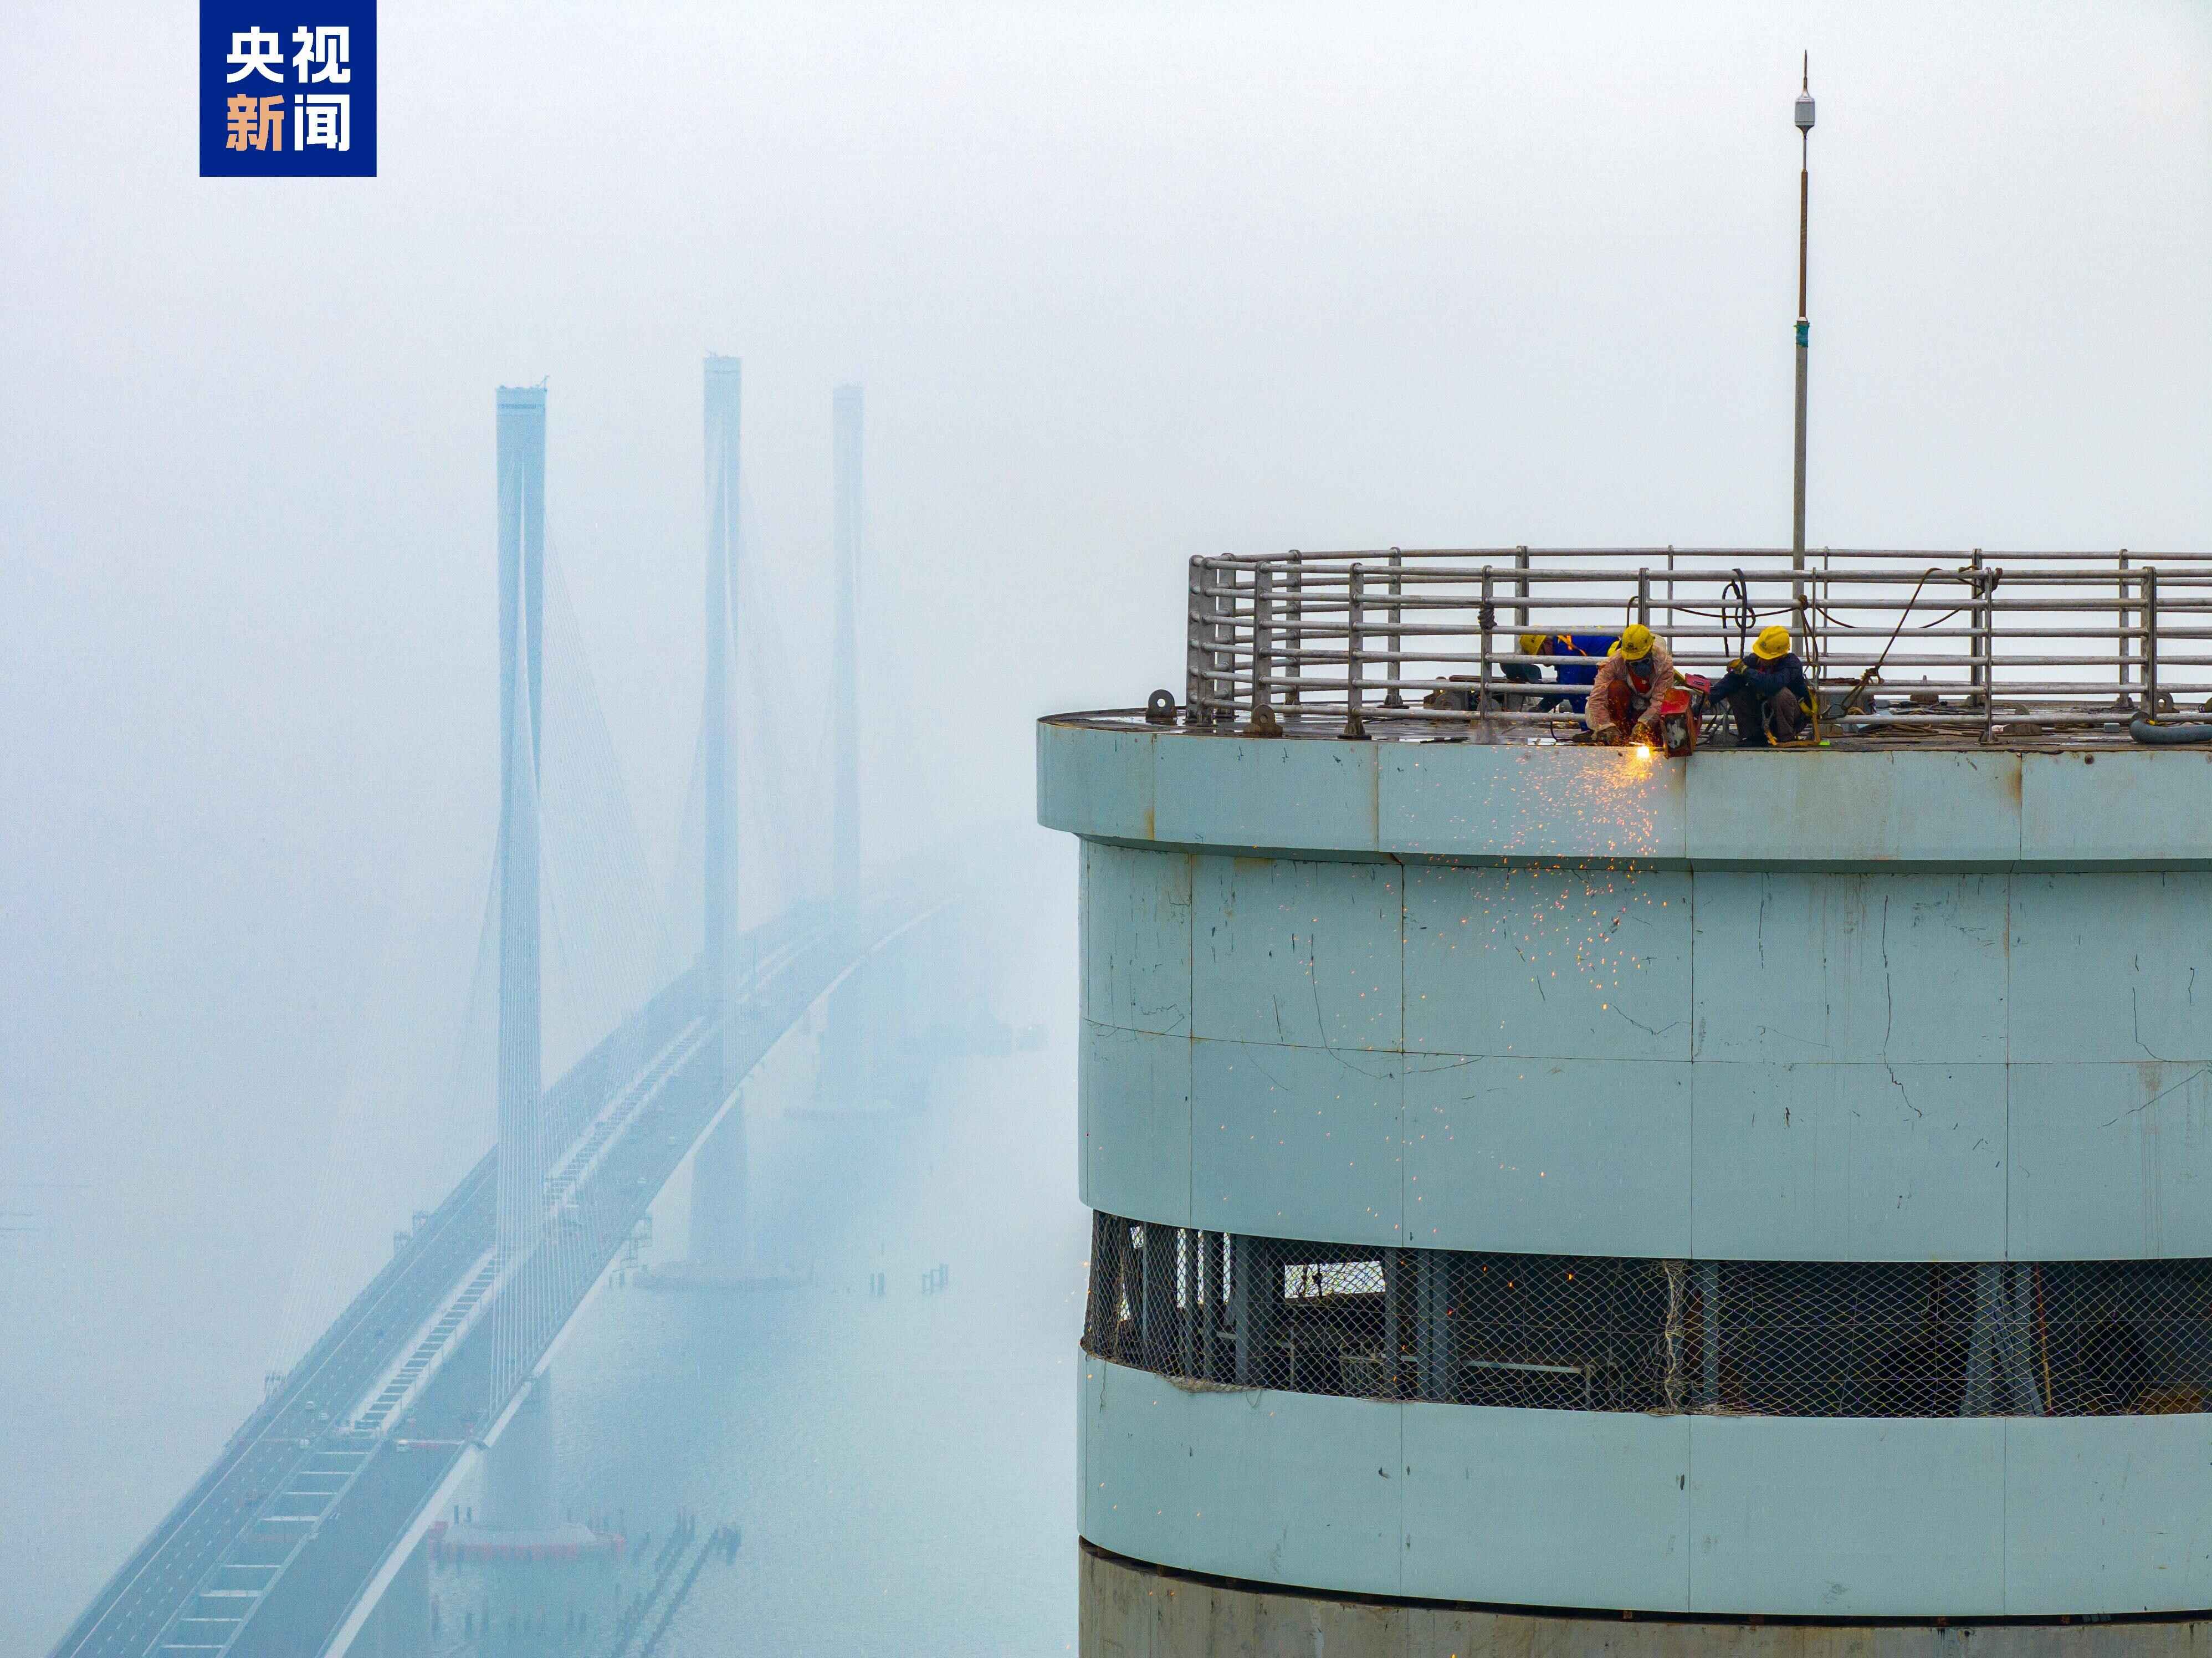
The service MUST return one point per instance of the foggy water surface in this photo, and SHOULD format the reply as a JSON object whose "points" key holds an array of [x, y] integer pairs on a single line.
{"points": [[903, 1467]]}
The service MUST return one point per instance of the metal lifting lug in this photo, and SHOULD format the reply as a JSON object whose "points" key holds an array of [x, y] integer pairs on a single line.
{"points": [[1160, 708]]}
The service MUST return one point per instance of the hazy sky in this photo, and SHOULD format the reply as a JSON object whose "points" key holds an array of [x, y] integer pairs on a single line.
{"points": [[1123, 283]]}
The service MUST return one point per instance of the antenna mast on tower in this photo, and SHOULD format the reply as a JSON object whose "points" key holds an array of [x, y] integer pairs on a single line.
{"points": [[1804, 114]]}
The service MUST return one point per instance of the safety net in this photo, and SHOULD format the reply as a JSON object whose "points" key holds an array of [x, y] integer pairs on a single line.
{"points": [[1583, 1332]]}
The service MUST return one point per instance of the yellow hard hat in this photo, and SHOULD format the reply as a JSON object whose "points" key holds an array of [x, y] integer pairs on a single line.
{"points": [[1533, 644], [1770, 643], [1635, 642]]}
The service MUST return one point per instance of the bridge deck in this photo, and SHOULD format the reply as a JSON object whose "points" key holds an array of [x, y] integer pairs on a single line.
{"points": [[269, 1551]]}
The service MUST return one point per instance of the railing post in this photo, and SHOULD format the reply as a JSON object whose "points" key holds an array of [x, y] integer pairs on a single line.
{"points": [[1988, 608], [1486, 617], [1394, 698], [1644, 596], [1211, 638], [1263, 638], [1263, 722], [1803, 621], [1355, 729], [1222, 700], [2125, 644], [1521, 589], [2150, 642], [1194, 657], [1294, 664], [1814, 640], [1974, 631]]}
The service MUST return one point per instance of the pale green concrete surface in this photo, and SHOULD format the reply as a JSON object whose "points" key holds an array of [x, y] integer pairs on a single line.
{"points": [[1893, 1064], [1784, 1516], [1965, 809]]}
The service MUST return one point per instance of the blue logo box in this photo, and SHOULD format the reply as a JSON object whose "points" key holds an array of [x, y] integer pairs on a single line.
{"points": [[288, 88]]}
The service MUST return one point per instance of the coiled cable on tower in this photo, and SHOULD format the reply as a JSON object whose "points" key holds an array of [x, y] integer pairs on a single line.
{"points": [[2159, 734]]}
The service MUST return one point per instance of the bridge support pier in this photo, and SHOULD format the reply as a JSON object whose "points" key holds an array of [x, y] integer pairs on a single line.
{"points": [[719, 1221], [721, 1256], [400, 1627], [520, 1571], [519, 1470]]}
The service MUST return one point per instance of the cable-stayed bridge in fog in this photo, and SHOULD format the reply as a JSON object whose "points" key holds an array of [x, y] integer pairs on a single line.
{"points": [[306, 1535]]}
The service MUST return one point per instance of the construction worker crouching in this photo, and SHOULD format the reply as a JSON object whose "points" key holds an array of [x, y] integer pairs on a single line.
{"points": [[1525, 686], [1772, 702], [1524, 673], [1625, 694], [1592, 647]]}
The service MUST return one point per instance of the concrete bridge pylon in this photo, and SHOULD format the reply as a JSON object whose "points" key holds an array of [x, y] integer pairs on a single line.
{"points": [[719, 1211], [725, 381], [522, 639], [519, 1474], [720, 1251], [518, 1479], [846, 1077]]}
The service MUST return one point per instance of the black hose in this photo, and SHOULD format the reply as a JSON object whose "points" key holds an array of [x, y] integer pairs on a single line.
{"points": [[1736, 612], [2153, 732]]}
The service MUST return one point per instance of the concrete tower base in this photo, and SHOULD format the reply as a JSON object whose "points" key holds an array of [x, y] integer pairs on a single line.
{"points": [[1131, 1610], [720, 1225], [518, 1472]]}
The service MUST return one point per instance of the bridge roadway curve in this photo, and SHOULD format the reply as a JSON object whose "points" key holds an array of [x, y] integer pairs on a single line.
{"points": [[798, 958]]}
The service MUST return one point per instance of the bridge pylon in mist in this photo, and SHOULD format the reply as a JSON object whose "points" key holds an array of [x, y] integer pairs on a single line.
{"points": [[724, 390], [519, 1471], [518, 1476], [720, 1242], [846, 1076], [521, 675]]}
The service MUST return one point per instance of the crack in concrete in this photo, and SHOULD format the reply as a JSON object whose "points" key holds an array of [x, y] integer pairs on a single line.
{"points": [[1647, 1029], [2137, 1110], [1888, 988], [2134, 1005], [1901, 1088]]}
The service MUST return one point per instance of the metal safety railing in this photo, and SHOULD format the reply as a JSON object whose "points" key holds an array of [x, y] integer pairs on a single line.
{"points": [[1979, 644]]}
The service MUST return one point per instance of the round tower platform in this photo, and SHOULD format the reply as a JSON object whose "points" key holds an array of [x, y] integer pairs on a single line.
{"points": [[1558, 1184]]}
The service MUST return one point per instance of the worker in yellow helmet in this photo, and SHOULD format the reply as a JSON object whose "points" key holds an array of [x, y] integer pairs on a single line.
{"points": [[1624, 702], [1570, 677], [1768, 690], [1590, 649]]}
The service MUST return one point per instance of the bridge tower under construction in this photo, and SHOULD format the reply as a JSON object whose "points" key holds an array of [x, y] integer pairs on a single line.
{"points": [[720, 1216], [396, 1490], [1555, 1196]]}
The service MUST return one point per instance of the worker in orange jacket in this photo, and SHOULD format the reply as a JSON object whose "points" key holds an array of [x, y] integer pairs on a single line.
{"points": [[1624, 701]]}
